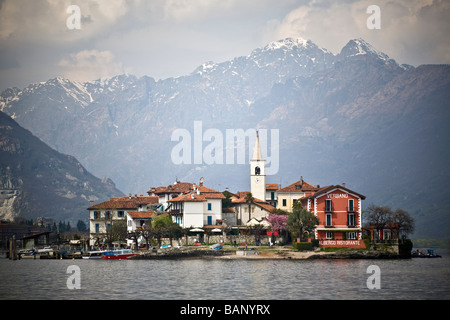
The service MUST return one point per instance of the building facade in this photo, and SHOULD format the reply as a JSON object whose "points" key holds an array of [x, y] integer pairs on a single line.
{"points": [[290, 194], [339, 210], [201, 207], [103, 215]]}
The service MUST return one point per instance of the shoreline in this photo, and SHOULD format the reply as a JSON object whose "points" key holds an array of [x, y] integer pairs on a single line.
{"points": [[280, 254]]}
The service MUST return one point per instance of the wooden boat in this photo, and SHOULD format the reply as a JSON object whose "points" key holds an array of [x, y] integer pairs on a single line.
{"points": [[118, 254]]}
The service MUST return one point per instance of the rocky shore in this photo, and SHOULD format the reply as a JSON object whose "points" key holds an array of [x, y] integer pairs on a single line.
{"points": [[267, 254]]}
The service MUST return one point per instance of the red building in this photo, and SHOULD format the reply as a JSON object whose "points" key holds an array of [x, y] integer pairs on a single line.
{"points": [[339, 211]]}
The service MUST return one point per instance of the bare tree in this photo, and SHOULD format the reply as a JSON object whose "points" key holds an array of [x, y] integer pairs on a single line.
{"points": [[404, 222]]}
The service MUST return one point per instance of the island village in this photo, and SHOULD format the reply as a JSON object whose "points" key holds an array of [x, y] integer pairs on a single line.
{"points": [[191, 217]]}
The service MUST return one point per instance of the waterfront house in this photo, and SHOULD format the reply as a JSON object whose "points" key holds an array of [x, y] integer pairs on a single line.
{"points": [[103, 215], [166, 193], [200, 207], [339, 211]]}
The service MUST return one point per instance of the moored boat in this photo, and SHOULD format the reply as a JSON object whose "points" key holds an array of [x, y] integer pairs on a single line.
{"points": [[420, 254], [93, 254], [118, 254]]}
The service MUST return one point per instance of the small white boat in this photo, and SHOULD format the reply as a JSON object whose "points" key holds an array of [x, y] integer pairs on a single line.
{"points": [[118, 254], [93, 254]]}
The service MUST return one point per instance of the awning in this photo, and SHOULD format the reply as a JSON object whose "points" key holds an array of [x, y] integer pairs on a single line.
{"points": [[216, 230], [196, 230]]}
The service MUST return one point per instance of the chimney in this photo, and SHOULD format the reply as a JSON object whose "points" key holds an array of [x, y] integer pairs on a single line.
{"points": [[198, 192], [343, 184], [301, 180], [129, 196], [201, 182], [192, 196]]}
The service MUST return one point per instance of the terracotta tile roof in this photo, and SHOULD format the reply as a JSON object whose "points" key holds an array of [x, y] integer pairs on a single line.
{"points": [[205, 193], [299, 186], [125, 203], [327, 189], [258, 202], [142, 214], [179, 187], [271, 186]]}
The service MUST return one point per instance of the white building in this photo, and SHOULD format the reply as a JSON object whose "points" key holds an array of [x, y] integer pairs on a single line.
{"points": [[103, 215], [201, 207]]}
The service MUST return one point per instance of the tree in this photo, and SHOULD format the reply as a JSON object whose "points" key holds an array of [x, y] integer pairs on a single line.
{"points": [[256, 230], [226, 203], [301, 219], [378, 216], [81, 226], [249, 200], [278, 223], [164, 226], [404, 222], [382, 216]]}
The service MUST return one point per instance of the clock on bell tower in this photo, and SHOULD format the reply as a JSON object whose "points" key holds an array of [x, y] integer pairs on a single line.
{"points": [[258, 173]]}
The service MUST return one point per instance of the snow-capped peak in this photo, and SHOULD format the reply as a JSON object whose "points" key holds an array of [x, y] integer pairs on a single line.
{"points": [[359, 46], [288, 43]]}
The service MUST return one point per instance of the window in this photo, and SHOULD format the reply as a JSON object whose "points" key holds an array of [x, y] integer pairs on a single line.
{"points": [[209, 206], [272, 195], [284, 203], [329, 235], [351, 220], [328, 220], [257, 170], [350, 205], [121, 214], [328, 205], [351, 235], [107, 214], [97, 228], [96, 215]]}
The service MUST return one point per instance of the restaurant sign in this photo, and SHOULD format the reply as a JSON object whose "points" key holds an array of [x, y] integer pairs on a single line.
{"points": [[342, 243]]}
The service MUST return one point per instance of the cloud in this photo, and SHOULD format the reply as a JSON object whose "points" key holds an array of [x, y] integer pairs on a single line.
{"points": [[164, 38], [414, 32], [89, 65]]}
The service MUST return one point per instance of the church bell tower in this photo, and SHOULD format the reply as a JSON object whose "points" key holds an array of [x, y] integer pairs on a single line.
{"points": [[258, 173]]}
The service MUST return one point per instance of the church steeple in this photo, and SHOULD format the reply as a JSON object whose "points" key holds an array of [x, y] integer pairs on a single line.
{"points": [[257, 172], [257, 150]]}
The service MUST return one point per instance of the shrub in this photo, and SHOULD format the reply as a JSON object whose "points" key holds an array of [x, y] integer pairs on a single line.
{"points": [[303, 246]]}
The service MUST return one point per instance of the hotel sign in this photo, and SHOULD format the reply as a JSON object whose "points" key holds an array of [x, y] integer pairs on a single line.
{"points": [[342, 243], [337, 195]]}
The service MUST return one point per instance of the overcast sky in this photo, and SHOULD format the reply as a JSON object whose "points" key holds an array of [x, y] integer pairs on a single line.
{"points": [[169, 38]]}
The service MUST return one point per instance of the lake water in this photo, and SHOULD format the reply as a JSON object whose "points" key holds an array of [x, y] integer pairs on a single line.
{"points": [[202, 279]]}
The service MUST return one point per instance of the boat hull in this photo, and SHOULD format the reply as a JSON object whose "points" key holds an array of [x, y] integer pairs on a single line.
{"points": [[118, 256]]}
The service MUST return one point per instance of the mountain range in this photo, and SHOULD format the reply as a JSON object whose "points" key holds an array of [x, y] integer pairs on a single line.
{"points": [[357, 117], [37, 181]]}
